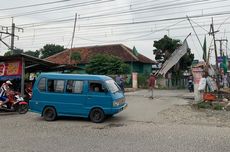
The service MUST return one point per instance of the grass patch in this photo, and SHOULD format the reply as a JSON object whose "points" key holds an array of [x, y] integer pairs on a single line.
{"points": [[210, 105], [218, 107], [204, 105]]}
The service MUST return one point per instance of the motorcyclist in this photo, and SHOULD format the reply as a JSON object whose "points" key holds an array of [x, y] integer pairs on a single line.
{"points": [[5, 88]]}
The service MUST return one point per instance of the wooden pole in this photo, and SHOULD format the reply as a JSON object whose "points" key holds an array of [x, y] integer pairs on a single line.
{"points": [[215, 49], [22, 76], [195, 33], [74, 28]]}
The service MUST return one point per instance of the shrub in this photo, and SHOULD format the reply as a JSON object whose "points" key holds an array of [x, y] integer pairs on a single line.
{"points": [[142, 81], [204, 105], [218, 107]]}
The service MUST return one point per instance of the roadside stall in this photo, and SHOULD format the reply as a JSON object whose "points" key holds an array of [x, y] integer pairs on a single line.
{"points": [[210, 87], [17, 69]]}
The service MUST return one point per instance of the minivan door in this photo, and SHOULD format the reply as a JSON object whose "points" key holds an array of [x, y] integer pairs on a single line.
{"points": [[74, 97], [98, 96]]}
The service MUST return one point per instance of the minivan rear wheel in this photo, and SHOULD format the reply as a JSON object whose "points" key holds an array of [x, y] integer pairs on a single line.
{"points": [[49, 114], [97, 115]]}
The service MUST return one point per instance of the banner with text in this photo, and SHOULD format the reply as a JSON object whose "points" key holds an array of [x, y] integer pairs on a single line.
{"points": [[10, 68]]}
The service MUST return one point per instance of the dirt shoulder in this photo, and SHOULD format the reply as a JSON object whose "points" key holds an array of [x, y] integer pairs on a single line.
{"points": [[191, 115]]}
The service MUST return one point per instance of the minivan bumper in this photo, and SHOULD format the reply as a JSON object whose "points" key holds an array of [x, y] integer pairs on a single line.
{"points": [[119, 109]]}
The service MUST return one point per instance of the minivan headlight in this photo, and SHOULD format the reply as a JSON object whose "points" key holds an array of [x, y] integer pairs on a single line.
{"points": [[115, 104]]}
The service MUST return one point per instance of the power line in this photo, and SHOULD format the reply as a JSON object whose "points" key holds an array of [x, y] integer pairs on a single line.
{"points": [[153, 21], [155, 8], [157, 20], [57, 8], [199, 25], [223, 22], [133, 31], [154, 31], [33, 5], [146, 21], [97, 29], [103, 42], [129, 39], [158, 7]]}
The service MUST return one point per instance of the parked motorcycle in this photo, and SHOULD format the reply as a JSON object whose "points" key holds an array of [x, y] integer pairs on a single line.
{"points": [[16, 103], [28, 95], [190, 86]]}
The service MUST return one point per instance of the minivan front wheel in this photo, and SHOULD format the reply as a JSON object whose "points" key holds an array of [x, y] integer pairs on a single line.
{"points": [[97, 115], [49, 114]]}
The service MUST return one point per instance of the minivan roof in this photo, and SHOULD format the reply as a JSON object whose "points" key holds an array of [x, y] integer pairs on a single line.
{"points": [[75, 76]]}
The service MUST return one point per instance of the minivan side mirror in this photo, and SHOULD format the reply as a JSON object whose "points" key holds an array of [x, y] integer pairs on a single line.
{"points": [[105, 89]]}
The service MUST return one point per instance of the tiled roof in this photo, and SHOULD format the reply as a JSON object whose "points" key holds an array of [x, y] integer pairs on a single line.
{"points": [[86, 53]]}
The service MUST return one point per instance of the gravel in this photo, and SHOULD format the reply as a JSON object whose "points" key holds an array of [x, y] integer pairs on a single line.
{"points": [[191, 115], [165, 127]]}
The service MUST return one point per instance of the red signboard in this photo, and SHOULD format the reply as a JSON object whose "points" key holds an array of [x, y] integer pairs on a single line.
{"points": [[11, 68]]}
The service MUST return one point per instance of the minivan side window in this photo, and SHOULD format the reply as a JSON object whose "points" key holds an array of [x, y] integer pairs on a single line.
{"points": [[42, 85], [74, 86], [96, 87], [56, 86]]}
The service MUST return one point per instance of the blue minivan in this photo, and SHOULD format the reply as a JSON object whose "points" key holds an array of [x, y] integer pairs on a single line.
{"points": [[89, 96]]}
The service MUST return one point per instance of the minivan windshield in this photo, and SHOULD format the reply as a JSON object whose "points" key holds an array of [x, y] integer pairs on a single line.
{"points": [[112, 86]]}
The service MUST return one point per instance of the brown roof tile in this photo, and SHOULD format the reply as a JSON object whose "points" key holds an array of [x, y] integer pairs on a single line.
{"points": [[118, 50]]}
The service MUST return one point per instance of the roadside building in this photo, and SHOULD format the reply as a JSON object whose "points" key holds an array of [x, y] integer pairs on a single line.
{"points": [[137, 62], [17, 67]]}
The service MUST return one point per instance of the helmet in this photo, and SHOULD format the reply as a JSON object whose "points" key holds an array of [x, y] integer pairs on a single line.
{"points": [[8, 82]]}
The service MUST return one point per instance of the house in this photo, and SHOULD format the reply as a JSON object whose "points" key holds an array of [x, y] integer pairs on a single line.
{"points": [[138, 62]]}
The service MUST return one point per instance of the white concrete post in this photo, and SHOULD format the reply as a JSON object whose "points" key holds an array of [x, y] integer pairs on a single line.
{"points": [[197, 75], [134, 80]]}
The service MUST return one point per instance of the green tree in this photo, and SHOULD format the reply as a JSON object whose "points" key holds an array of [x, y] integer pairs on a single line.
{"points": [[165, 47], [76, 56], [51, 49], [33, 53], [106, 65], [16, 51], [8, 53]]}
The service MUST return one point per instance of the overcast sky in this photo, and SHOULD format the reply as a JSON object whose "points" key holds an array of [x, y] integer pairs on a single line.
{"points": [[130, 22]]}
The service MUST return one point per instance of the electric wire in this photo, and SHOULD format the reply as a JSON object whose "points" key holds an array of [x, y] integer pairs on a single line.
{"points": [[127, 32], [33, 5], [113, 13], [56, 8]]}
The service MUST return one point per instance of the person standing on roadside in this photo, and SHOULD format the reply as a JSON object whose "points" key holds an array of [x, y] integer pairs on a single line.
{"points": [[151, 84], [120, 82]]}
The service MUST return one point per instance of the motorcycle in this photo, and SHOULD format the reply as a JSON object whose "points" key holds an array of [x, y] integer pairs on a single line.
{"points": [[190, 86], [16, 103], [28, 95]]}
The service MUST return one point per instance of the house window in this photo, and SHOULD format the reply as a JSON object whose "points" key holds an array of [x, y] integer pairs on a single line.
{"points": [[56, 86], [42, 85], [74, 86]]}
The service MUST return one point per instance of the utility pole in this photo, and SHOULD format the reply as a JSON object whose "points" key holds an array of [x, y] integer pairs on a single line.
{"points": [[12, 36], [5, 31], [13, 27], [195, 33], [212, 32], [221, 48], [168, 32], [75, 22]]}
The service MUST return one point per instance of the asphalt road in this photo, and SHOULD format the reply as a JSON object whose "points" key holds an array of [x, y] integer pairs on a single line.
{"points": [[137, 130]]}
